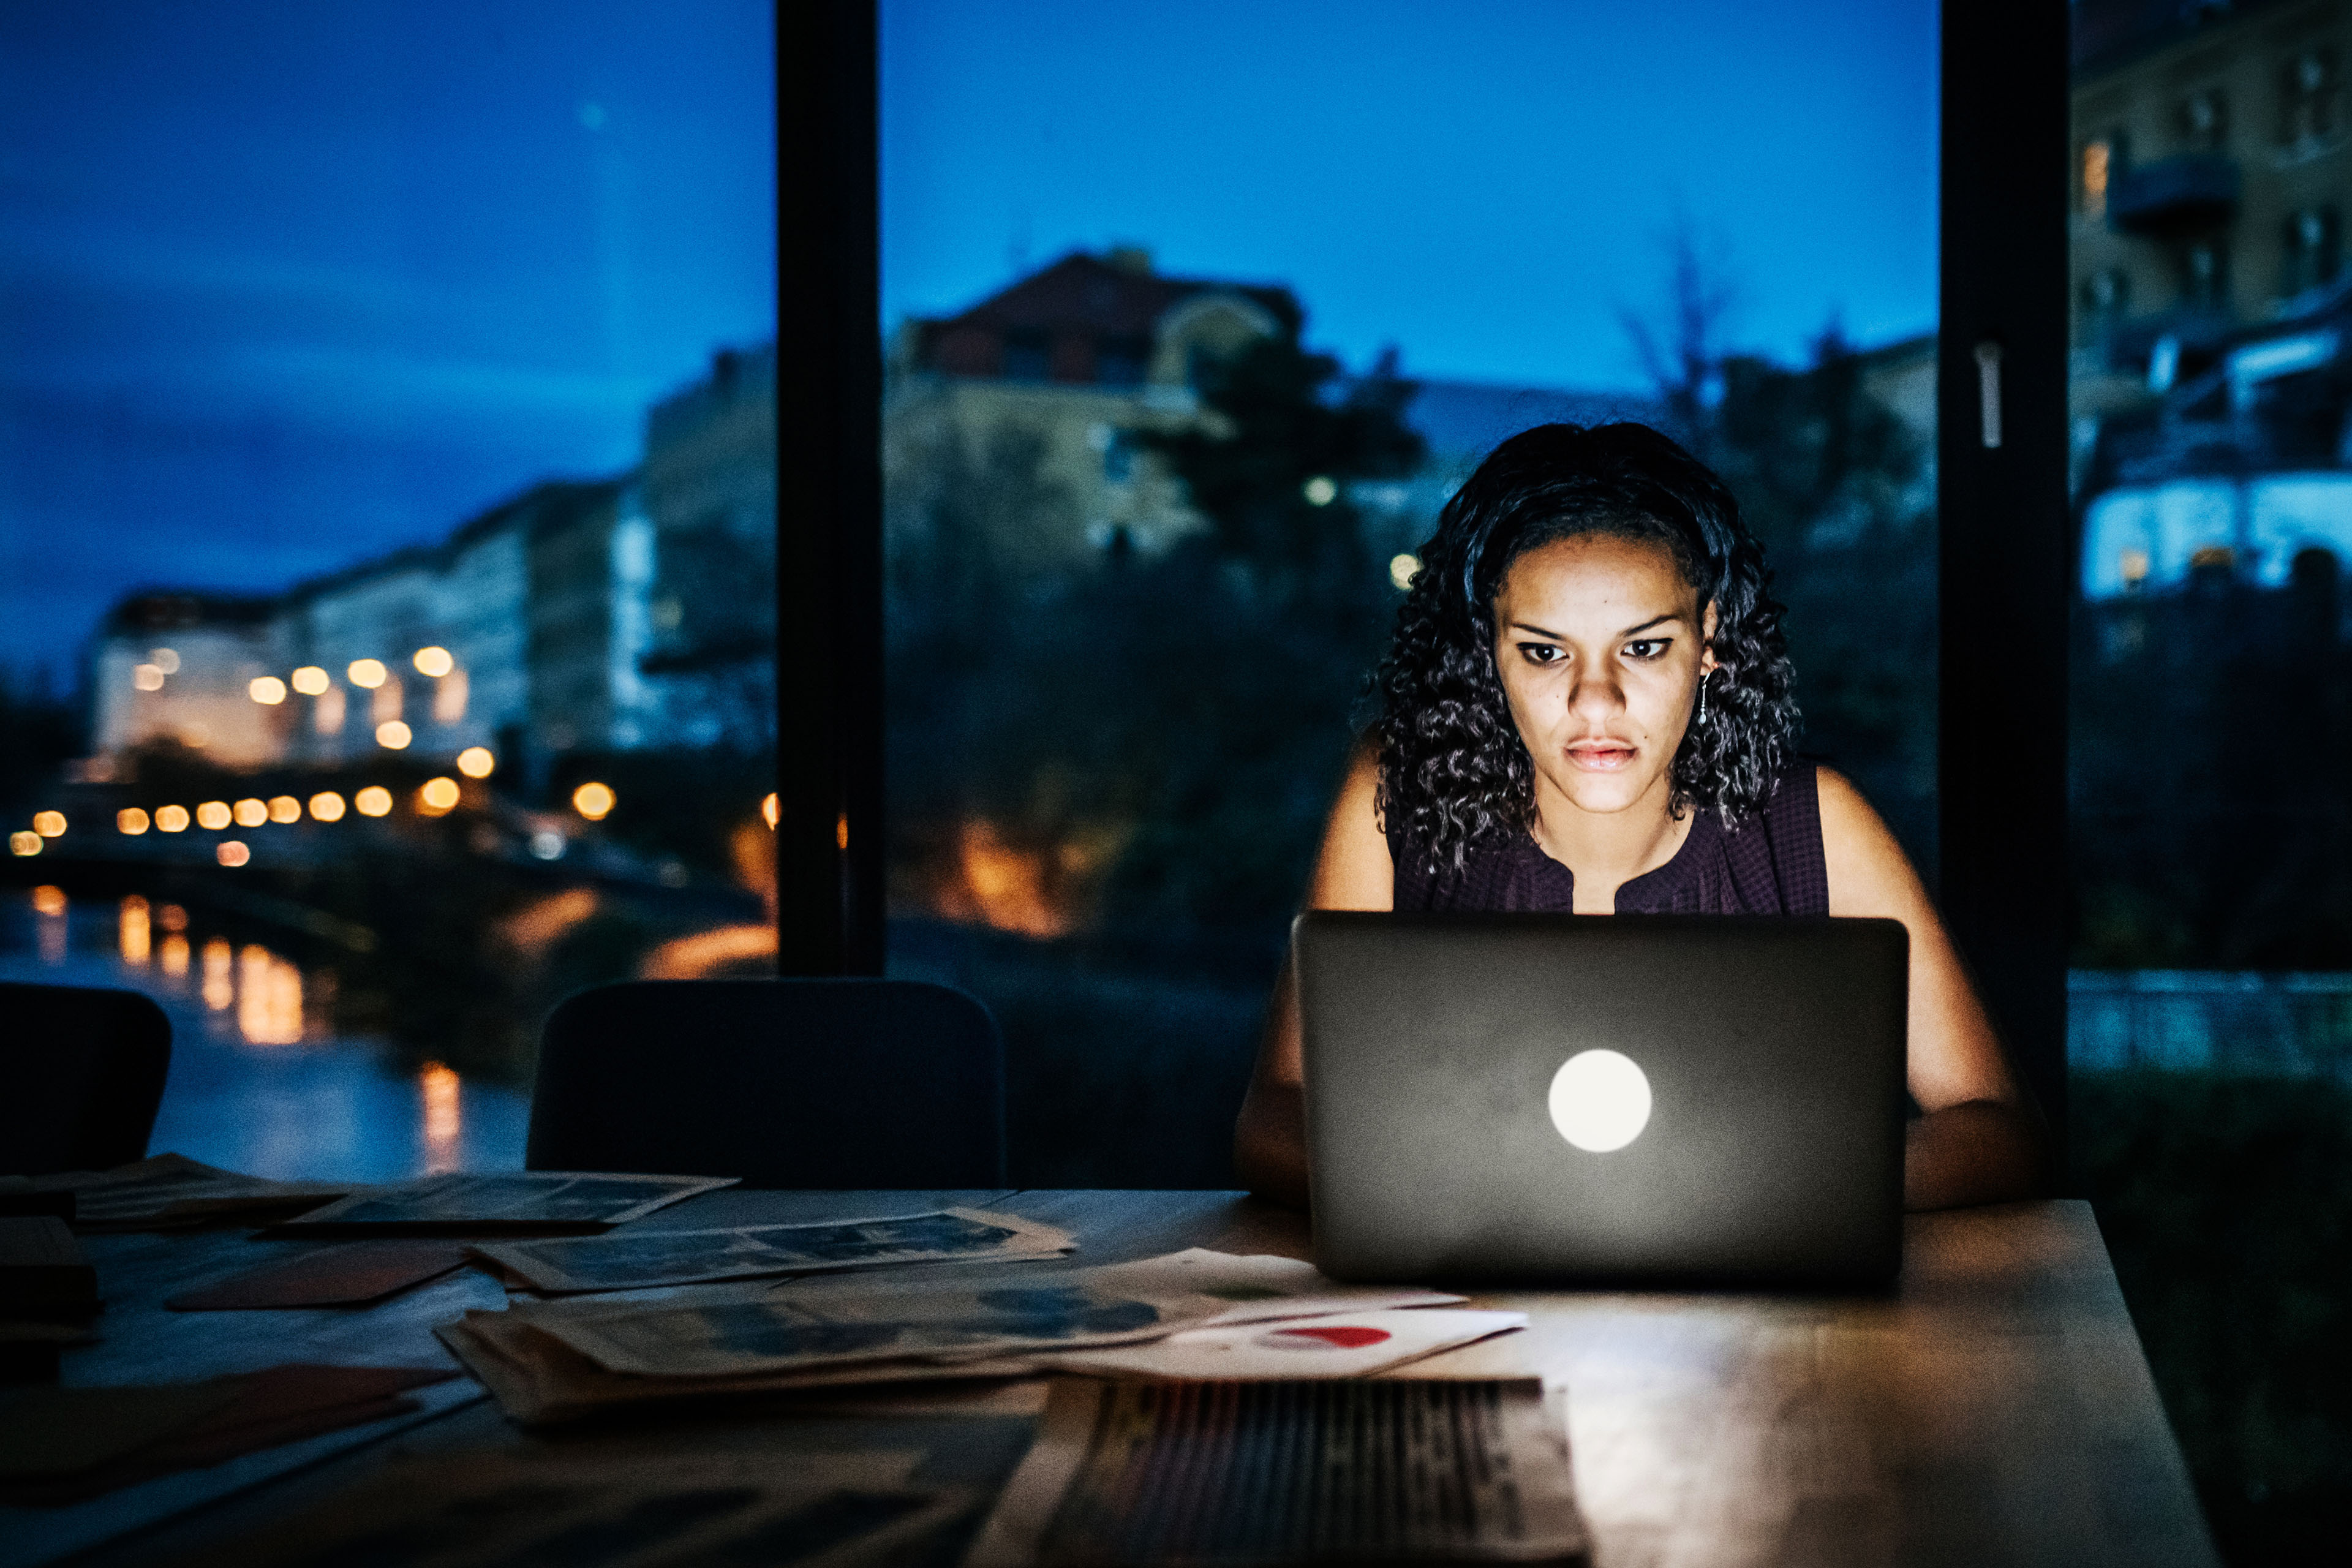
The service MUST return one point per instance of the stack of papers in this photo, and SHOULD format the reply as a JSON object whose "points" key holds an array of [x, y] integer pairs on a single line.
{"points": [[555, 1360], [511, 1203], [168, 1192], [639, 1260]]}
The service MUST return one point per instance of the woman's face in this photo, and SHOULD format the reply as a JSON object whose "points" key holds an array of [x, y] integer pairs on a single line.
{"points": [[1601, 645]]}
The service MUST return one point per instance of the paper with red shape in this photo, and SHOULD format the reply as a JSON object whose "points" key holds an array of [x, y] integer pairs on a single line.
{"points": [[1350, 1345]]}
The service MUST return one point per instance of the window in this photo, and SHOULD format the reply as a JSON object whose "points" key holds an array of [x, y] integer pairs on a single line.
{"points": [[2097, 170], [2307, 96], [2311, 248], [2203, 121], [2204, 275], [1129, 621], [2206, 1034], [389, 627], [1028, 354]]}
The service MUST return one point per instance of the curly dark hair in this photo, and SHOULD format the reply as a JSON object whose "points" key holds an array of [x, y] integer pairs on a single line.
{"points": [[1453, 771]]}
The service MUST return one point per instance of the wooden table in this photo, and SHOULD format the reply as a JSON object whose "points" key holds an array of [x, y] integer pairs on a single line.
{"points": [[1999, 1410]]}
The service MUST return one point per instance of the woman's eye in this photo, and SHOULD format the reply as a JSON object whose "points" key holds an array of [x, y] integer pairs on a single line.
{"points": [[1647, 647], [1541, 653]]}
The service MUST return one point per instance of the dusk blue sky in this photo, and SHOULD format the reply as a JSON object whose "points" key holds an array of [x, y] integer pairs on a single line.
{"points": [[284, 285], [1484, 185]]}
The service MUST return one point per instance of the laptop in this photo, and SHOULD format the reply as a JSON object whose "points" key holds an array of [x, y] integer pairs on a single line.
{"points": [[1572, 1099]]}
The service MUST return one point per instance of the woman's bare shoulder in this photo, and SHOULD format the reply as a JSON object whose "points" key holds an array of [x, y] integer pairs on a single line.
{"points": [[1869, 872], [1354, 871]]}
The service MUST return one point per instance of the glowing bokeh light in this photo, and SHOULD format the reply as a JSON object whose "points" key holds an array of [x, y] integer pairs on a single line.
{"points": [[476, 761], [232, 852], [175, 955], [269, 998], [440, 1087], [50, 824], [165, 660], [392, 735], [434, 661], [769, 809], [1600, 1100], [1320, 491], [171, 818], [23, 841], [285, 808], [327, 806], [266, 690], [212, 816], [594, 801], [220, 963], [547, 844], [310, 680], [132, 820], [250, 812], [367, 672], [134, 930], [48, 900], [374, 801], [147, 677], [1403, 569], [437, 797]]}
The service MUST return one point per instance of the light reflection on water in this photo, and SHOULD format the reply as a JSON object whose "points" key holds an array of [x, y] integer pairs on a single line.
{"points": [[259, 1080]]}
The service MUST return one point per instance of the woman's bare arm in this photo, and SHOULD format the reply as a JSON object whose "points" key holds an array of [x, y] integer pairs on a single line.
{"points": [[1980, 1139], [1352, 872]]}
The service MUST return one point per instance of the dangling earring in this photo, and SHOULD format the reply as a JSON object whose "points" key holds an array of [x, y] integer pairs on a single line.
{"points": [[1702, 698]]}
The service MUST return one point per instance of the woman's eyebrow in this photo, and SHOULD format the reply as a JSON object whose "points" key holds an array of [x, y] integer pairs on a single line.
{"points": [[1523, 626], [1653, 621]]}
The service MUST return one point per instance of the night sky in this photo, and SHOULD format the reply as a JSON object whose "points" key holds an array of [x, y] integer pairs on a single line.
{"points": [[285, 285]]}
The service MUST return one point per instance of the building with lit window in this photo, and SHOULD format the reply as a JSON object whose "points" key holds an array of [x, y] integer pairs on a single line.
{"points": [[176, 668], [2210, 388]]}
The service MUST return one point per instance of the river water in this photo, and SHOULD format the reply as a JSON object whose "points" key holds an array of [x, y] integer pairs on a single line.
{"points": [[260, 1081]]}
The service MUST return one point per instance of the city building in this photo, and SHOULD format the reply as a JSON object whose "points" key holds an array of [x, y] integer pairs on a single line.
{"points": [[176, 668], [578, 617], [2211, 306], [707, 485], [1046, 386]]}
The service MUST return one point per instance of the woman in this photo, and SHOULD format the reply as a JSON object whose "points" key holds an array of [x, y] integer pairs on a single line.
{"points": [[1586, 706]]}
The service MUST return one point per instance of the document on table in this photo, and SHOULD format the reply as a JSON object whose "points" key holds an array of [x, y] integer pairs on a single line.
{"points": [[166, 1191], [830, 1509], [512, 1202], [1346, 1344], [742, 1329], [1134, 1475], [633, 1260]]}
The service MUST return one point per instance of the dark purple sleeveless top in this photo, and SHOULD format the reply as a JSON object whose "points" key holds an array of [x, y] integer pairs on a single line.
{"points": [[1772, 864]]}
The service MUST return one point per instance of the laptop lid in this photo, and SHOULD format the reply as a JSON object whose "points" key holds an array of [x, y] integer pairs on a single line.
{"points": [[1572, 1098]]}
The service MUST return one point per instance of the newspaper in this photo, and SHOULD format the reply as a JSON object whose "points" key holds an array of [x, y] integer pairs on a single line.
{"points": [[1133, 1475], [1347, 1344], [539, 1381], [512, 1202], [632, 1260], [745, 1329], [475, 1511], [169, 1190]]}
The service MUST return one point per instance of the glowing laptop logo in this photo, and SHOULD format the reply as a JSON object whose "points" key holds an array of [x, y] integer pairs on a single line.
{"points": [[1600, 1100]]}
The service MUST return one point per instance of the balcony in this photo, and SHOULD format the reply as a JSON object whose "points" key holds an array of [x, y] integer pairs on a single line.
{"points": [[2174, 197]]}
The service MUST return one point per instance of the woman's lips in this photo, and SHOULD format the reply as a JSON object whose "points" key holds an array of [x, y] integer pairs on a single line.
{"points": [[1601, 756]]}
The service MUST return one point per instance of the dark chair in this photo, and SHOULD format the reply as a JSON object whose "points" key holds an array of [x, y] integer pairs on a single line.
{"points": [[784, 1083], [81, 1072]]}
